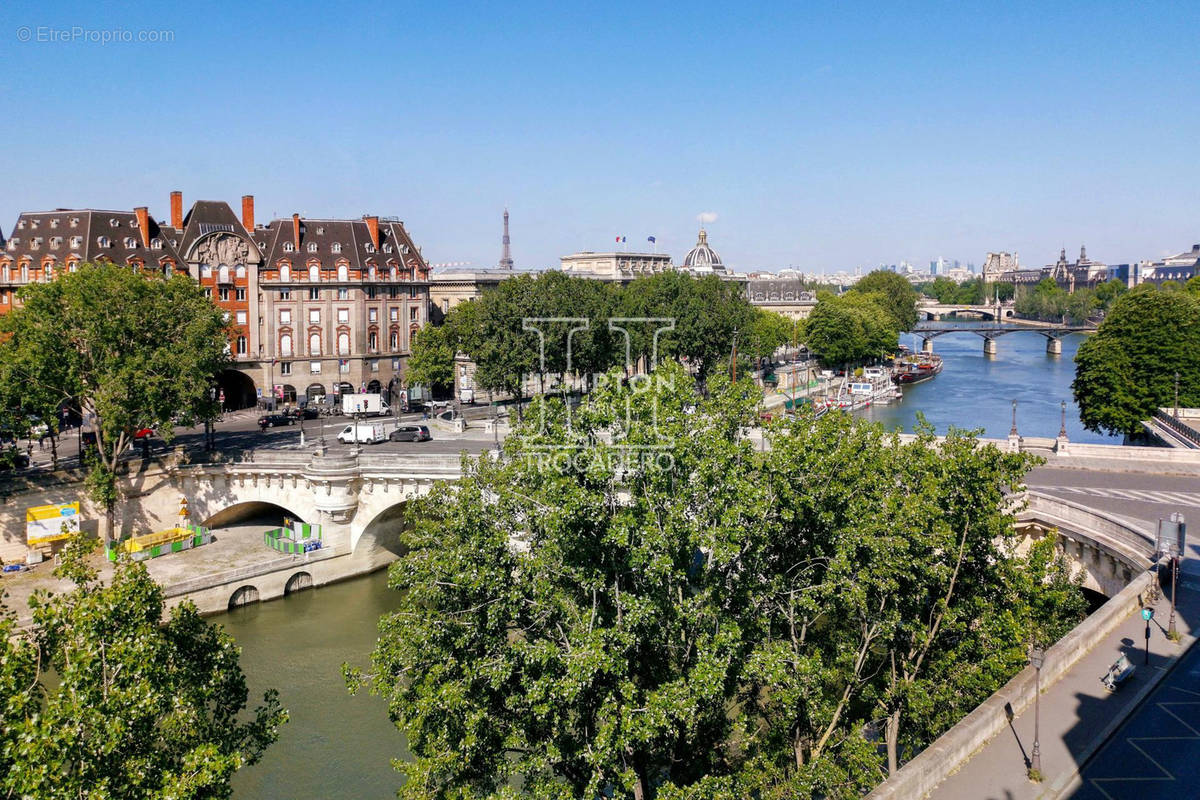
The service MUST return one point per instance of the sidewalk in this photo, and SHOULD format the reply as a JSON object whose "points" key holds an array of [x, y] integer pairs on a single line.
{"points": [[1077, 713]]}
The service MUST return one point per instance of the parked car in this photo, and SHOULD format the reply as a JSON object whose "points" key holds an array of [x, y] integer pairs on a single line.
{"points": [[143, 433], [276, 420], [410, 433]]}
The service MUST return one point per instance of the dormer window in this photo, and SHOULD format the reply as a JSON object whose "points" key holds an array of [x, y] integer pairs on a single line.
{"points": [[54, 222], [76, 241], [74, 221], [35, 243], [387, 248], [103, 241], [114, 222], [287, 247], [12, 243], [404, 249], [337, 247], [312, 246], [321, 230], [33, 223], [130, 242], [370, 248], [156, 244], [262, 245], [21, 225], [55, 242], [133, 223]]}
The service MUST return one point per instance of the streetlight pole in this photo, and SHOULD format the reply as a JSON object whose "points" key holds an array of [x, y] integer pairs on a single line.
{"points": [[1036, 657], [1013, 431], [1062, 431]]}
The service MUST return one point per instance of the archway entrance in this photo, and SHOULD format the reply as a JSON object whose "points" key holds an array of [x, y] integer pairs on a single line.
{"points": [[238, 389], [345, 388], [373, 387], [289, 393], [314, 390]]}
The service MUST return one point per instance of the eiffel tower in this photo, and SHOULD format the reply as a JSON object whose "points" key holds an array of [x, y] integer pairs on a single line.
{"points": [[506, 261]]}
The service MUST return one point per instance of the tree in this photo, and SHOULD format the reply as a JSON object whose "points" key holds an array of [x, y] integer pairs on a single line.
{"points": [[432, 360], [849, 329], [894, 293], [133, 349], [104, 699], [702, 619], [1127, 369]]}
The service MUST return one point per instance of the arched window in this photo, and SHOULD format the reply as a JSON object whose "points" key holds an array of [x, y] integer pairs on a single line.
{"points": [[314, 273], [392, 273], [343, 344], [373, 273], [314, 344], [240, 271], [205, 271], [5, 273], [285, 272], [24, 273], [394, 340], [373, 342], [343, 272], [241, 345], [285, 344]]}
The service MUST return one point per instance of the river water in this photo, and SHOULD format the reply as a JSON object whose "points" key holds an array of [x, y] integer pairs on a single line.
{"points": [[338, 746], [976, 391]]}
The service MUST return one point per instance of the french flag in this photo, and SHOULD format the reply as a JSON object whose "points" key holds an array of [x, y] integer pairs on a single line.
{"points": [[620, 239]]}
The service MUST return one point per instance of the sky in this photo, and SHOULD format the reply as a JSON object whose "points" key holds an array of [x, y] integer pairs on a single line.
{"points": [[819, 136]]}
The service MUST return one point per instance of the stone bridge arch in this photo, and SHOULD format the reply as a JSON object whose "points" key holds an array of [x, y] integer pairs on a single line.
{"points": [[1106, 551]]}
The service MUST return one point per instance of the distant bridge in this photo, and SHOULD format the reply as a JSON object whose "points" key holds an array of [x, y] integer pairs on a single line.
{"points": [[933, 310], [989, 333]]}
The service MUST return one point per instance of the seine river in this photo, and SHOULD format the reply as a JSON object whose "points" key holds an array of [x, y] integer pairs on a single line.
{"points": [[340, 746]]}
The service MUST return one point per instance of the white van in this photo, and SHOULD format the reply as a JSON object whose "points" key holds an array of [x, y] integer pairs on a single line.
{"points": [[363, 433]]}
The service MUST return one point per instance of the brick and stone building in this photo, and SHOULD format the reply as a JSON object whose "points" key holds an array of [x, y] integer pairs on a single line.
{"points": [[317, 306]]}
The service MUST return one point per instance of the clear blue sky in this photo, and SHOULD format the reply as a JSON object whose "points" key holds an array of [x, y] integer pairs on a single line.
{"points": [[823, 136]]}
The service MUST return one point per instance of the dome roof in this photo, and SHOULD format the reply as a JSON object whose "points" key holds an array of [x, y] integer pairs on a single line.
{"points": [[703, 258]]}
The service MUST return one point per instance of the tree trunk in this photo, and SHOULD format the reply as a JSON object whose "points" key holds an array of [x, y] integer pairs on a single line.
{"points": [[892, 736], [54, 450]]}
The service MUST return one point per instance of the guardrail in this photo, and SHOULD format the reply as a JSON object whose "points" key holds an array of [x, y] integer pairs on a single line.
{"points": [[1131, 544], [1177, 426]]}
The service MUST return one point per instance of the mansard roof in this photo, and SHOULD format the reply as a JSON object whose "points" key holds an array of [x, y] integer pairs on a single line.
{"points": [[90, 235]]}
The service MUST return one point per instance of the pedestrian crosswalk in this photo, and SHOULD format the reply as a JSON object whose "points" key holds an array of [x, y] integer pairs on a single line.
{"points": [[1140, 495]]}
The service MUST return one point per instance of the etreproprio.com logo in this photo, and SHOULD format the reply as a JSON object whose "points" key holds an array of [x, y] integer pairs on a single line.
{"points": [[619, 456]]}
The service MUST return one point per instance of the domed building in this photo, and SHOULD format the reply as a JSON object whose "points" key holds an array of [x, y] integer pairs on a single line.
{"points": [[702, 259]]}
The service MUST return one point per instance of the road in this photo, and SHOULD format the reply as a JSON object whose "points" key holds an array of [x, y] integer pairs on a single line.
{"points": [[1153, 756], [1144, 498]]}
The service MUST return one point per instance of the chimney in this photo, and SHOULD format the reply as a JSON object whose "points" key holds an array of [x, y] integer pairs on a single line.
{"points": [[373, 228], [143, 220], [248, 212], [177, 209], [296, 231]]}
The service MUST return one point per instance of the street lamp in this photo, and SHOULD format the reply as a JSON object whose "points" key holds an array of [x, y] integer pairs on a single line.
{"points": [[1036, 656], [1147, 614], [1013, 432], [1062, 431]]}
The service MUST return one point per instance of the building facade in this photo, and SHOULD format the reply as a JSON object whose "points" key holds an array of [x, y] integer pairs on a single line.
{"points": [[614, 266], [316, 306]]}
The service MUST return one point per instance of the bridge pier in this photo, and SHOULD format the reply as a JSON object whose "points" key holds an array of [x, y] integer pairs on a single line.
{"points": [[927, 345], [989, 347], [1053, 346]]}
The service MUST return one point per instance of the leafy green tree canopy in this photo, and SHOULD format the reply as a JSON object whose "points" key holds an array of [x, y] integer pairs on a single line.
{"points": [[701, 617], [894, 293], [133, 349], [103, 699], [1126, 370]]}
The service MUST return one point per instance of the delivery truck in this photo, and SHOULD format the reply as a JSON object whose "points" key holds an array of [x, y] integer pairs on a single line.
{"points": [[368, 405], [363, 433]]}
